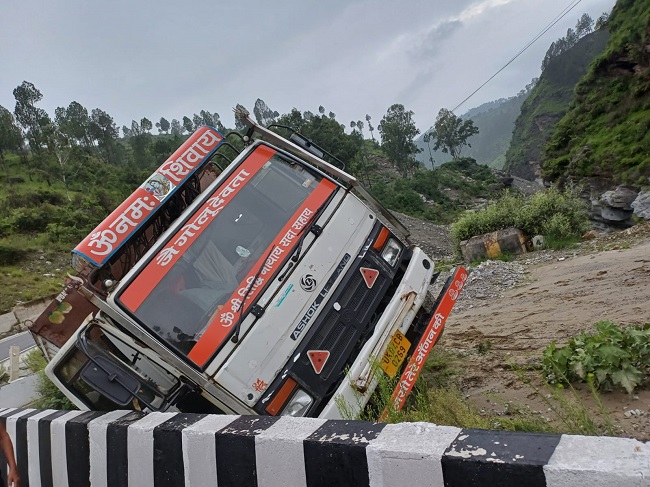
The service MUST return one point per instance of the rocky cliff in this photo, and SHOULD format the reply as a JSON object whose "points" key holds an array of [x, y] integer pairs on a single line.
{"points": [[548, 102]]}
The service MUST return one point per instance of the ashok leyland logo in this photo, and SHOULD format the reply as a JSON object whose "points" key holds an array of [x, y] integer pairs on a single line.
{"points": [[308, 283]]}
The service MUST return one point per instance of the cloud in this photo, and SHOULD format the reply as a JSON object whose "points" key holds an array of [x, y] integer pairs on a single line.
{"points": [[479, 8], [434, 41]]}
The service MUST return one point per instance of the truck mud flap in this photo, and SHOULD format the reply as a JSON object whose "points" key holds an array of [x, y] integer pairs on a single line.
{"points": [[441, 310]]}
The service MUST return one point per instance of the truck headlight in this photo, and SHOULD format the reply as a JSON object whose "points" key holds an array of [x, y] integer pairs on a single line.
{"points": [[391, 251], [298, 404]]}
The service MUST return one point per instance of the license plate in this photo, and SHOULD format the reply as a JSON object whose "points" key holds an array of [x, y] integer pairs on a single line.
{"points": [[395, 354]]}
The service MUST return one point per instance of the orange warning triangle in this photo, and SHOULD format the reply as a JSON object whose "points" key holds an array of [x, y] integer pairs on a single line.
{"points": [[318, 359], [369, 275]]}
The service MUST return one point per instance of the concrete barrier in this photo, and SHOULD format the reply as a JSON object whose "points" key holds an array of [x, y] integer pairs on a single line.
{"points": [[19, 392], [120, 448]]}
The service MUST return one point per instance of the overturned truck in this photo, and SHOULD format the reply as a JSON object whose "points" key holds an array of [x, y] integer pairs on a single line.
{"points": [[262, 287]]}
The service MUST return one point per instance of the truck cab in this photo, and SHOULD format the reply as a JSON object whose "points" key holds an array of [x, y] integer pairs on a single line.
{"points": [[264, 287]]}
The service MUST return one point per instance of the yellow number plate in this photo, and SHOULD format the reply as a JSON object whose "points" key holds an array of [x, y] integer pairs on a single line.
{"points": [[395, 354]]}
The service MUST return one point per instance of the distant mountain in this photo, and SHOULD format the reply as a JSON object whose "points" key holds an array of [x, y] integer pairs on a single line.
{"points": [[548, 102], [495, 121]]}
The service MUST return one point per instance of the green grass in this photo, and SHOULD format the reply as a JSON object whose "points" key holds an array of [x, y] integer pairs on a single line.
{"points": [[438, 398], [23, 271]]}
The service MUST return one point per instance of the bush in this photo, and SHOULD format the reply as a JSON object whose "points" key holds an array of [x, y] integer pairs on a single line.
{"points": [[558, 215], [614, 356]]}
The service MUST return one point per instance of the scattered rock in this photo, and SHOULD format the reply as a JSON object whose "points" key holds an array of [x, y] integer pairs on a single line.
{"points": [[538, 242], [590, 235], [633, 413]]}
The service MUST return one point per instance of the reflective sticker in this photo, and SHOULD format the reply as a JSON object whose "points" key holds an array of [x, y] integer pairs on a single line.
{"points": [[283, 295], [369, 276], [318, 359]]}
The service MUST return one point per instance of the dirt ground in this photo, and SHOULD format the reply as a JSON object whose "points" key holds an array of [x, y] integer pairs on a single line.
{"points": [[551, 296]]}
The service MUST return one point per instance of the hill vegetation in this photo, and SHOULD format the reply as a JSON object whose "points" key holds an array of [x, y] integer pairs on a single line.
{"points": [[606, 132], [549, 100]]}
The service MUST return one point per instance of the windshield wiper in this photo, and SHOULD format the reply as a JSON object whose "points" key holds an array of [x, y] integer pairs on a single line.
{"points": [[237, 328], [310, 226]]}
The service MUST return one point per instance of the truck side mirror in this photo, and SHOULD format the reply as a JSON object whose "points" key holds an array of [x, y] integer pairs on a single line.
{"points": [[110, 380]]}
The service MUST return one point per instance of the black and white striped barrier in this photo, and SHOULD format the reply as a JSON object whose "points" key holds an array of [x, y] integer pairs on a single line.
{"points": [[120, 448]]}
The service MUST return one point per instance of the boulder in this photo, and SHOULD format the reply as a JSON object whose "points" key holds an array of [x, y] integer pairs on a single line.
{"points": [[538, 242], [612, 214], [622, 197], [491, 245], [641, 205]]}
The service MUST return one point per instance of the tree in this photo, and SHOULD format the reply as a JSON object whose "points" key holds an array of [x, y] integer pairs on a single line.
{"points": [[397, 131], [197, 121], [176, 127], [32, 119], [162, 125], [571, 37], [263, 114], [64, 157], [451, 132], [370, 127], [584, 25], [10, 136], [74, 123], [140, 140], [426, 138], [104, 130], [358, 126], [602, 21], [188, 125]]}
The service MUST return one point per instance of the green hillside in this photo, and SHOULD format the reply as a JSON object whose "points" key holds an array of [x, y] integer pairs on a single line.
{"points": [[549, 100], [606, 132]]}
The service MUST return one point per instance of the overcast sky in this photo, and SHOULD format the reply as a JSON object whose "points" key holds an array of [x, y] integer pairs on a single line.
{"points": [[153, 58]]}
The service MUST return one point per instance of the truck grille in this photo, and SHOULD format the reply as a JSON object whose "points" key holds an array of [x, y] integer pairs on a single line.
{"points": [[339, 329]]}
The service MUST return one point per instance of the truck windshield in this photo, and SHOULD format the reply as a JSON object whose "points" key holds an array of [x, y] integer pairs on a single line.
{"points": [[197, 287]]}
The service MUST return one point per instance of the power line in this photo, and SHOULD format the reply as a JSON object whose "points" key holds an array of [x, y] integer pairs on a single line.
{"points": [[560, 16]]}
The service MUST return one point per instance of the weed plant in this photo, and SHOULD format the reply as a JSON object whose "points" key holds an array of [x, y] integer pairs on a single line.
{"points": [[613, 356]]}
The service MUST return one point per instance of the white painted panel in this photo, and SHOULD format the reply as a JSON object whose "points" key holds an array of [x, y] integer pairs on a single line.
{"points": [[33, 447], [595, 461], [57, 445], [409, 454], [200, 451], [140, 448], [279, 452], [97, 435]]}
